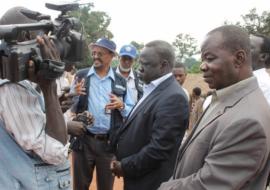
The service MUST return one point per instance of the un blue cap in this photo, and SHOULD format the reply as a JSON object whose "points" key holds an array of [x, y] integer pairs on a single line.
{"points": [[128, 50], [105, 43]]}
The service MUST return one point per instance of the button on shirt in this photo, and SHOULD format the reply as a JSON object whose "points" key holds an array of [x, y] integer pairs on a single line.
{"points": [[130, 84], [99, 90]]}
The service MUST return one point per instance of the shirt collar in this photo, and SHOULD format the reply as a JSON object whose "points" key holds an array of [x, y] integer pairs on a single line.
{"points": [[261, 72], [110, 74], [156, 82], [131, 74], [161, 79], [222, 94]]}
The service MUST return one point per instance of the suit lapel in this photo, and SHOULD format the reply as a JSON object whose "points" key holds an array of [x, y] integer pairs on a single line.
{"points": [[234, 98], [147, 100]]}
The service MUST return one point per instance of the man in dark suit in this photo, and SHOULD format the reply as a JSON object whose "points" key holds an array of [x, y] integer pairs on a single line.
{"points": [[231, 141], [148, 141]]}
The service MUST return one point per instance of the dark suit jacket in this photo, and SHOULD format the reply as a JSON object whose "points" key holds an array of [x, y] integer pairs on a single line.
{"points": [[230, 148], [148, 141]]}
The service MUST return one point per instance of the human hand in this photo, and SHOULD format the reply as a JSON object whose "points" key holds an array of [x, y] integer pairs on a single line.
{"points": [[48, 49], [66, 99], [85, 117], [116, 168], [115, 103], [76, 128], [44, 75], [80, 87]]}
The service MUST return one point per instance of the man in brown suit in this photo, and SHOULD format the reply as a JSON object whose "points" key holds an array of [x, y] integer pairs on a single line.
{"points": [[229, 147]]}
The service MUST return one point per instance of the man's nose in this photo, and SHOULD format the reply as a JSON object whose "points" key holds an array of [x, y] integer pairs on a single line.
{"points": [[203, 66], [177, 78], [95, 55]]}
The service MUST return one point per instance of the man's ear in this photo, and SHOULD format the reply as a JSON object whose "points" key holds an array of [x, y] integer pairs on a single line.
{"points": [[164, 63], [263, 57], [240, 57]]}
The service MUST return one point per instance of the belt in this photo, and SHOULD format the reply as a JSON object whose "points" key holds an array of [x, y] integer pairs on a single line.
{"points": [[42, 164], [37, 159], [102, 137]]}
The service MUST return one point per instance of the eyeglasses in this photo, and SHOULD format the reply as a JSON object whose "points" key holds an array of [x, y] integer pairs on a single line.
{"points": [[98, 54]]}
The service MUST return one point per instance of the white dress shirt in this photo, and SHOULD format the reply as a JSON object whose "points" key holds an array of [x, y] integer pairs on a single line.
{"points": [[21, 111], [263, 79], [130, 84], [149, 88]]}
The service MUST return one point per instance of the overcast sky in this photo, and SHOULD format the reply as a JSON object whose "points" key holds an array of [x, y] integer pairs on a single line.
{"points": [[146, 20]]}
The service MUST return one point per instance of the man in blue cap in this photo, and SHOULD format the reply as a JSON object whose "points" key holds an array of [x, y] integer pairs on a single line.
{"points": [[128, 54], [108, 100]]}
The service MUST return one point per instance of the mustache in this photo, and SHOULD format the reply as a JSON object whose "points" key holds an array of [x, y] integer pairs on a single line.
{"points": [[97, 60]]}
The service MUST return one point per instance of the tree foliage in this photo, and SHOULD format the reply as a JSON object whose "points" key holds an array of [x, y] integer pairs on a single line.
{"points": [[255, 23], [138, 46], [95, 25], [185, 46], [192, 65]]}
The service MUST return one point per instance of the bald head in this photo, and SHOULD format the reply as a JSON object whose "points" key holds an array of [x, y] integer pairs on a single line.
{"points": [[164, 50], [226, 57], [234, 38]]}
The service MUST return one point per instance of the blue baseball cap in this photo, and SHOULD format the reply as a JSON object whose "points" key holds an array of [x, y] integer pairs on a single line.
{"points": [[105, 43], [128, 50]]}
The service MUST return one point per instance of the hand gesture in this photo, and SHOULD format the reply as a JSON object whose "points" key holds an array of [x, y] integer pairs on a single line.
{"points": [[115, 103]]}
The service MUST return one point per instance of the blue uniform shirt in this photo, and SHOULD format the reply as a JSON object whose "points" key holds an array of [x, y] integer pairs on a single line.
{"points": [[99, 90]]}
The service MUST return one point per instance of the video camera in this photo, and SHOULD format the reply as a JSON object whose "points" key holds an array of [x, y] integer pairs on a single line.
{"points": [[64, 31]]}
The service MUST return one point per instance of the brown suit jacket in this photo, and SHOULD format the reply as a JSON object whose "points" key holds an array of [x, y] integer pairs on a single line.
{"points": [[230, 151]]}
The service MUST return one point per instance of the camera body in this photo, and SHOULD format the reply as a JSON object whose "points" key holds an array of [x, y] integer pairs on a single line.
{"points": [[64, 31]]}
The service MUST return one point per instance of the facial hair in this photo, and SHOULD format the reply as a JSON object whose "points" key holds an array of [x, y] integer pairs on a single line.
{"points": [[124, 69], [98, 64]]}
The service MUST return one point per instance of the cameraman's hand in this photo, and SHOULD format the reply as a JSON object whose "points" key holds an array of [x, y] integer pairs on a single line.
{"points": [[48, 50]]}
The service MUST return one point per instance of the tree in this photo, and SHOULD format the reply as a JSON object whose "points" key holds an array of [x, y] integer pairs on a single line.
{"points": [[255, 23], [137, 45], [95, 25], [195, 68], [185, 45], [192, 65]]}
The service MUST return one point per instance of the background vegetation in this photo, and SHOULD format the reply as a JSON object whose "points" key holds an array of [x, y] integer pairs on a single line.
{"points": [[96, 23]]}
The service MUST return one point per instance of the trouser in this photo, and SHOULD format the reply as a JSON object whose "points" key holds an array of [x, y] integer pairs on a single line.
{"points": [[93, 155], [20, 171]]}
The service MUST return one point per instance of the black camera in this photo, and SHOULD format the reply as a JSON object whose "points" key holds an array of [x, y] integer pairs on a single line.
{"points": [[65, 31]]}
